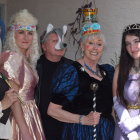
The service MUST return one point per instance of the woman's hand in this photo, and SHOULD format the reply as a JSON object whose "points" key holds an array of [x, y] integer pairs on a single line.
{"points": [[91, 119], [9, 98]]}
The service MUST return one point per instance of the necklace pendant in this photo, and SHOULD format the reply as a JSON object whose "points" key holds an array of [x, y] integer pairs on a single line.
{"points": [[94, 87], [82, 69]]}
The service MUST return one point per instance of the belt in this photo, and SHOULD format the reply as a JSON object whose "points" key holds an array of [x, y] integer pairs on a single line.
{"points": [[133, 107]]}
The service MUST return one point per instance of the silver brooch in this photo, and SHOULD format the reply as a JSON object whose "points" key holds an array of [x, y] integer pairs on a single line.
{"points": [[82, 69], [94, 87], [104, 73]]}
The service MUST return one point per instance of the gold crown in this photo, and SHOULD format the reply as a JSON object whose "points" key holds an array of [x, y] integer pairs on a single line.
{"points": [[132, 27]]}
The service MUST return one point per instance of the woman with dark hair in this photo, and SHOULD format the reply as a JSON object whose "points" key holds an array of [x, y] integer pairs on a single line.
{"points": [[126, 86]]}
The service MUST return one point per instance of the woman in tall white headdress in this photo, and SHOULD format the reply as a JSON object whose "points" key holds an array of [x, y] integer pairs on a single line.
{"points": [[18, 64]]}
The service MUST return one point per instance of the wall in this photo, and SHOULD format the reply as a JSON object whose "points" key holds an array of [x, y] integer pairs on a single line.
{"points": [[113, 15], [3, 1], [3, 10]]}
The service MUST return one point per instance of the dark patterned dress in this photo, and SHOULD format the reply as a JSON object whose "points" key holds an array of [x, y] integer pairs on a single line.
{"points": [[71, 89]]}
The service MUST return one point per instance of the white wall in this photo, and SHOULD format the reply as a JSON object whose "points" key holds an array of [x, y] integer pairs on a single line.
{"points": [[113, 15]]}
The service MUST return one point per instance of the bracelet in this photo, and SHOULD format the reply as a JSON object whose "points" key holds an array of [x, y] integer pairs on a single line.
{"points": [[80, 119]]}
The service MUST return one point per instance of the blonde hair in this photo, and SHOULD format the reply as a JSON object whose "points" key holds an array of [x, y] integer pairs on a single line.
{"points": [[23, 17], [91, 36]]}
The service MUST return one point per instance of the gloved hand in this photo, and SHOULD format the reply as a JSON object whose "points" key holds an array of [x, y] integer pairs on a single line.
{"points": [[133, 135], [121, 111], [123, 114], [129, 124]]}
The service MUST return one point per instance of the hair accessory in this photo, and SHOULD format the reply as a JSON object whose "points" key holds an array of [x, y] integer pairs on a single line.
{"points": [[91, 28], [23, 27], [132, 27]]}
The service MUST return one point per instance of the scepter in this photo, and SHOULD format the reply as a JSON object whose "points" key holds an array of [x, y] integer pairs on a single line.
{"points": [[4, 78], [94, 88]]}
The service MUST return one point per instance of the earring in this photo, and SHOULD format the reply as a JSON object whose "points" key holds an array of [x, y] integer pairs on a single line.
{"points": [[82, 52]]}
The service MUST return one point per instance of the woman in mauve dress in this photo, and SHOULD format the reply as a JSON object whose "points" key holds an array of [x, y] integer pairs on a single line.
{"points": [[126, 86], [18, 64]]}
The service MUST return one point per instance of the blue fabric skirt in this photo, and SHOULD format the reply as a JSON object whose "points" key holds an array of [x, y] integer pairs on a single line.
{"points": [[105, 131]]}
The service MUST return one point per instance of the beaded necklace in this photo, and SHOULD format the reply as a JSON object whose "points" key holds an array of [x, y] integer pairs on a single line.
{"points": [[92, 71]]}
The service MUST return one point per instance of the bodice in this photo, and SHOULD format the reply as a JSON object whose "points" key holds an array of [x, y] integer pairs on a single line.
{"points": [[16, 68], [132, 89], [72, 89]]}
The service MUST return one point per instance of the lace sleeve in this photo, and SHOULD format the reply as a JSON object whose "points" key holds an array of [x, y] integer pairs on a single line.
{"points": [[109, 69], [65, 84]]}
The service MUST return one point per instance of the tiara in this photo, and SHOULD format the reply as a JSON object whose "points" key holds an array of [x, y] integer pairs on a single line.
{"points": [[23, 27], [132, 27], [91, 28]]}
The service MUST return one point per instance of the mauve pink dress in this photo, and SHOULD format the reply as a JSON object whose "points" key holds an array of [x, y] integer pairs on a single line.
{"points": [[16, 68]]}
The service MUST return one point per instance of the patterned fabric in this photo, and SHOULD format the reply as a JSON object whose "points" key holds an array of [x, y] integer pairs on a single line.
{"points": [[23, 27], [17, 69], [71, 89]]}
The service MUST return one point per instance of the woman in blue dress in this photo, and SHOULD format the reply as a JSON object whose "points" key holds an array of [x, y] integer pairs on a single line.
{"points": [[82, 92]]}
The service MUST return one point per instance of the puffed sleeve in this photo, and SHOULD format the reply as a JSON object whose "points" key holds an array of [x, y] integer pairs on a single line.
{"points": [[12, 66], [109, 69], [65, 85]]}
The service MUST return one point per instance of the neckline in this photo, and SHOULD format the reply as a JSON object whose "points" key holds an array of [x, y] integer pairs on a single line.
{"points": [[81, 69], [92, 71]]}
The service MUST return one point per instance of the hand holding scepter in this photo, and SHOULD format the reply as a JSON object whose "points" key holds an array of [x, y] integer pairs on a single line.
{"points": [[94, 88], [4, 78]]}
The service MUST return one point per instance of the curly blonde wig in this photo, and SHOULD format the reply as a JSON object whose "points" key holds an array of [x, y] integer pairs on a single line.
{"points": [[23, 18]]}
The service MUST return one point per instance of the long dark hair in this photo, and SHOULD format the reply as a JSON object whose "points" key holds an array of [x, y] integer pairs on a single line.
{"points": [[126, 61]]}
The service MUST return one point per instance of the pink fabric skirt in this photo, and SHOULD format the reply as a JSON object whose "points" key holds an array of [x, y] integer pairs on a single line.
{"points": [[32, 117]]}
